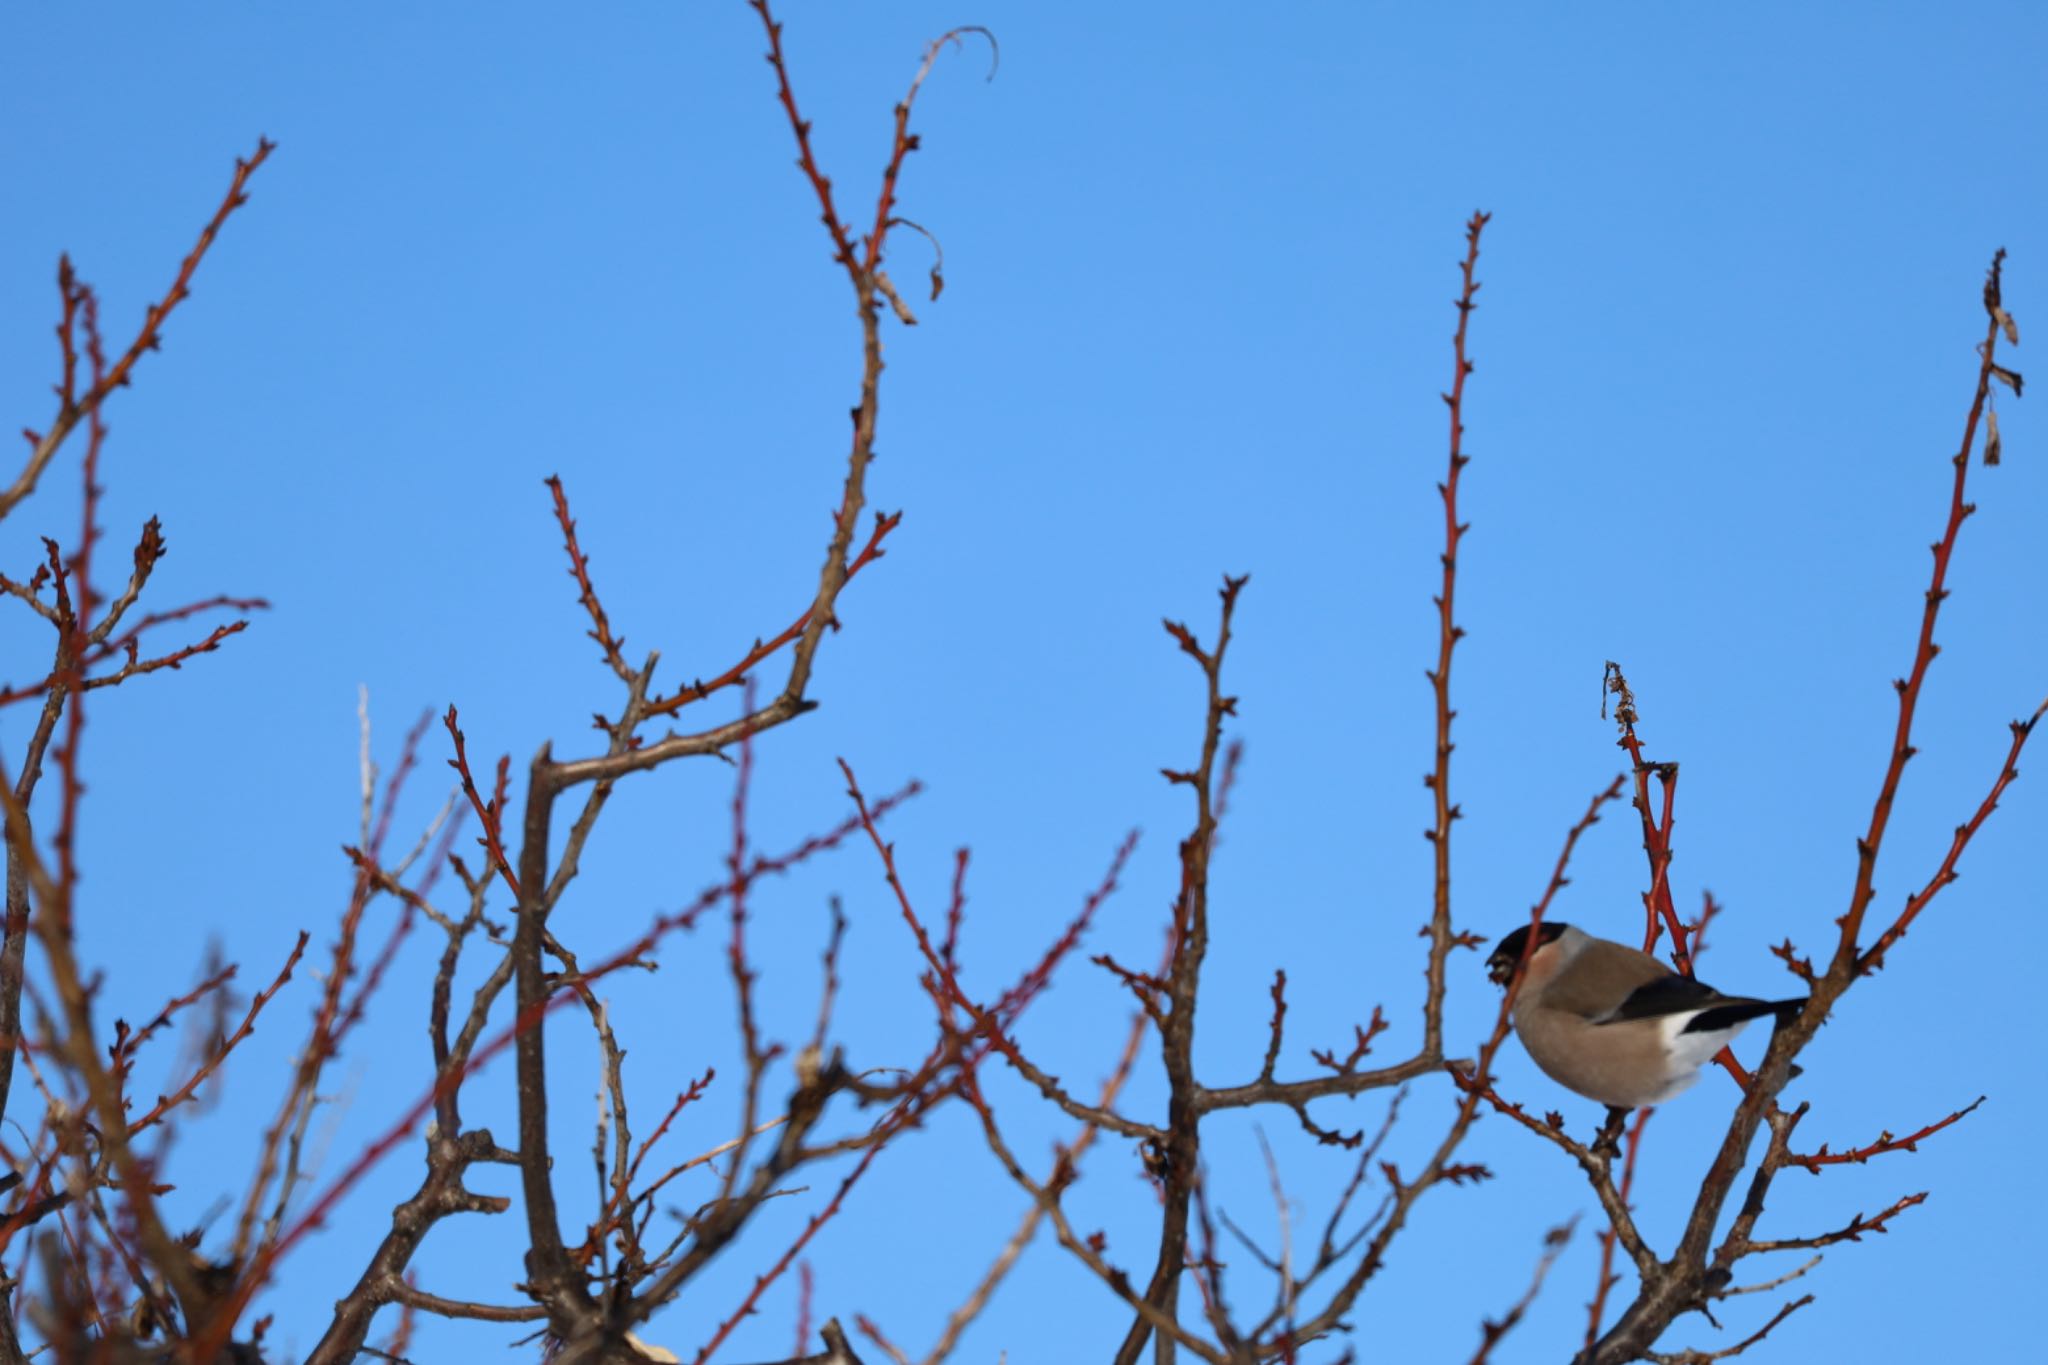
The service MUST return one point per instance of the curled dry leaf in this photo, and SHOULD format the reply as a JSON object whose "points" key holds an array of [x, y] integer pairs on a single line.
{"points": [[1991, 442], [888, 288], [2007, 325]]}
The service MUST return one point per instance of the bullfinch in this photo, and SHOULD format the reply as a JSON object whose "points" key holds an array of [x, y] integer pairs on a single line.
{"points": [[1614, 1024]]}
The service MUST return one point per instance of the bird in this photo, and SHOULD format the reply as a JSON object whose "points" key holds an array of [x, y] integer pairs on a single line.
{"points": [[1616, 1025]]}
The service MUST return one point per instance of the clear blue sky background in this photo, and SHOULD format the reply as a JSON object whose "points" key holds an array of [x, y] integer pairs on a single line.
{"points": [[1200, 263]]}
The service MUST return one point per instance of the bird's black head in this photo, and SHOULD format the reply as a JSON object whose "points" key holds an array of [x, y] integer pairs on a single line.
{"points": [[1507, 954]]}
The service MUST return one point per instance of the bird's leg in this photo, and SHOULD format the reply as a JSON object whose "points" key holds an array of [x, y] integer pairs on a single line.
{"points": [[1607, 1142]]}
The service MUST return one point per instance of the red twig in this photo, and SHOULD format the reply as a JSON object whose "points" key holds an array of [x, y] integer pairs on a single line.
{"points": [[486, 811], [842, 242], [1374, 1027], [696, 1091], [956, 908], [73, 406], [873, 1333], [1709, 909], [1909, 687], [89, 470], [1659, 910], [352, 1014], [1801, 967], [1885, 1143], [803, 1307], [1149, 990], [579, 569], [166, 1103], [126, 640], [1034, 980], [148, 338], [774, 1272], [698, 691], [946, 986], [942, 971], [127, 1044], [76, 621], [1873, 959], [74, 678]]}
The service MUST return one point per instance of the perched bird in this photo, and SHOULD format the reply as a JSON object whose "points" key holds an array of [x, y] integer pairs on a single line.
{"points": [[1614, 1024]]}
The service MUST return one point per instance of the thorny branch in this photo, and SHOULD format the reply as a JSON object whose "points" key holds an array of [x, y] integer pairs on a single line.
{"points": [[591, 1324], [92, 1122], [1170, 998], [115, 1274], [1698, 1269]]}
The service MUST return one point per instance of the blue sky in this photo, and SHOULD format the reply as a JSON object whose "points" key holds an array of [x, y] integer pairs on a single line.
{"points": [[1200, 262]]}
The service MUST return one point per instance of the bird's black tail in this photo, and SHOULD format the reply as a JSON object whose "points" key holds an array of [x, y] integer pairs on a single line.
{"points": [[1734, 1012]]}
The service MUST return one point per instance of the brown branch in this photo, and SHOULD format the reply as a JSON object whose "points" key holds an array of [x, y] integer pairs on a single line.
{"points": [[1179, 1156], [1857, 1227], [468, 1055], [1595, 1165], [455, 1063], [1684, 1282], [458, 1308], [1297, 1093], [441, 1194], [1597, 1309], [1705, 1357], [838, 1350]]}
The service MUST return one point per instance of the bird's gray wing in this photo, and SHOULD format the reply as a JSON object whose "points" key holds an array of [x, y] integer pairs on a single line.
{"points": [[1665, 995]]}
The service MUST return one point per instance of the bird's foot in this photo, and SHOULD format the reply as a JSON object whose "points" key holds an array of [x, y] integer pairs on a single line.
{"points": [[1607, 1142]]}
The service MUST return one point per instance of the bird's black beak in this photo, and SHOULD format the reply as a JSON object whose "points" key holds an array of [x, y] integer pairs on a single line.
{"points": [[1500, 969]]}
